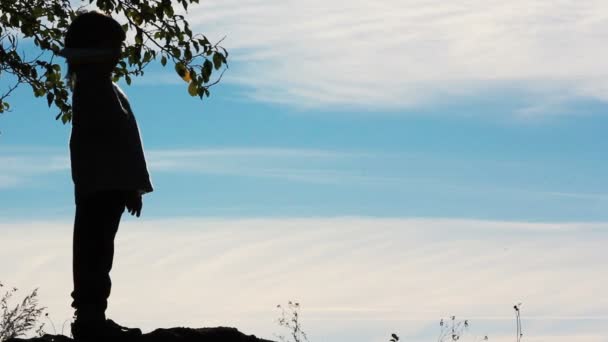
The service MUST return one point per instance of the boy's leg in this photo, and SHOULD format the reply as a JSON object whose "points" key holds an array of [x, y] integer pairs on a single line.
{"points": [[96, 223]]}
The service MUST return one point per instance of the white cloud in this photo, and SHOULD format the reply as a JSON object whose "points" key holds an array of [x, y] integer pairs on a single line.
{"points": [[351, 274], [403, 53]]}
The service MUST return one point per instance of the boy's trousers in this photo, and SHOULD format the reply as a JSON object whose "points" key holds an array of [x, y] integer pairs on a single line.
{"points": [[95, 226]]}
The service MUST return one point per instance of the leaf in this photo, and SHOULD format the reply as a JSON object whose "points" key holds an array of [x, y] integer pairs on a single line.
{"points": [[49, 98], [169, 10], [163, 60], [186, 76], [136, 18], [207, 69], [193, 89], [176, 52], [139, 37], [180, 69], [39, 92], [217, 60]]}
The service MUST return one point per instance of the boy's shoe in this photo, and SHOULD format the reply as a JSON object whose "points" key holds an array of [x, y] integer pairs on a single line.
{"points": [[114, 330], [85, 330], [103, 331]]}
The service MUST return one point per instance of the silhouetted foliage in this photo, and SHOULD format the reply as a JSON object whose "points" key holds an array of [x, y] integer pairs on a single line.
{"points": [[19, 319], [517, 308], [454, 330], [290, 320], [159, 34]]}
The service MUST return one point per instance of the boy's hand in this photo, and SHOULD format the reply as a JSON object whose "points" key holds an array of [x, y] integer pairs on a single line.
{"points": [[134, 203]]}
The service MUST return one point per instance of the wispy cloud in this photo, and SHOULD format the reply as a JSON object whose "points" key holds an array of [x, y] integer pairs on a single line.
{"points": [[352, 274], [304, 165], [395, 54], [20, 166], [416, 173], [8, 181]]}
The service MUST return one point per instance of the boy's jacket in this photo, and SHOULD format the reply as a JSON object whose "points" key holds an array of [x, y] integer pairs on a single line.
{"points": [[105, 146]]}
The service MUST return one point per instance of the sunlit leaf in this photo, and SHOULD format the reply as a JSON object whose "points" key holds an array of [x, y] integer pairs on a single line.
{"points": [[186, 76], [193, 89]]}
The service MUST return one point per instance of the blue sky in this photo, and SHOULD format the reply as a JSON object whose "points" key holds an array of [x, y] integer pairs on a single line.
{"points": [[464, 131], [237, 156]]}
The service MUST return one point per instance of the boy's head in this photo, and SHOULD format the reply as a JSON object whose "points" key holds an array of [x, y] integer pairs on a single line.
{"points": [[93, 31]]}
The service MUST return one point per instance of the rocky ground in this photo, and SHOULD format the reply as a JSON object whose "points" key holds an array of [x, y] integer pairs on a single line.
{"points": [[220, 334]]}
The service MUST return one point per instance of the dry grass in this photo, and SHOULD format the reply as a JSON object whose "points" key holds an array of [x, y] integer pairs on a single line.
{"points": [[17, 320]]}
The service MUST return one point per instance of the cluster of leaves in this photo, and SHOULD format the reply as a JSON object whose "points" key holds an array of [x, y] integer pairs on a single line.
{"points": [[44, 22], [290, 320], [17, 320], [159, 34]]}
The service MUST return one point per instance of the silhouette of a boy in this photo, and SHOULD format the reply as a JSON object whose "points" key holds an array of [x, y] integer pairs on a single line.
{"points": [[108, 168]]}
